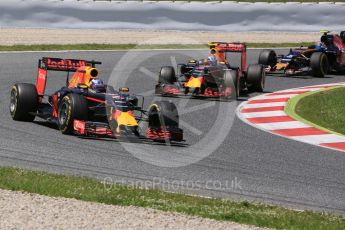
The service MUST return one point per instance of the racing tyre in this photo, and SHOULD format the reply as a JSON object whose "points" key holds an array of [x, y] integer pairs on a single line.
{"points": [[231, 79], [24, 102], [319, 64], [183, 69], [268, 58], [72, 106], [163, 113], [255, 78], [167, 75]]}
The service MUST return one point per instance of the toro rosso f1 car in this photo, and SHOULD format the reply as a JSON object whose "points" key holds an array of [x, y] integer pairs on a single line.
{"points": [[326, 56], [88, 107], [212, 77]]}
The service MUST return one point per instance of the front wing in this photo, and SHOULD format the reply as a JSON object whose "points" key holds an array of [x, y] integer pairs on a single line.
{"points": [[175, 90], [101, 129]]}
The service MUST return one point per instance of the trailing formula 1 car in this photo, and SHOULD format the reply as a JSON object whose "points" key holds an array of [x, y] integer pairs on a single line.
{"points": [[326, 56], [88, 107], [213, 77]]}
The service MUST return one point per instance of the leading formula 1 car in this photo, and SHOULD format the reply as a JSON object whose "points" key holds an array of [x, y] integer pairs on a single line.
{"points": [[213, 77], [88, 107], [326, 56]]}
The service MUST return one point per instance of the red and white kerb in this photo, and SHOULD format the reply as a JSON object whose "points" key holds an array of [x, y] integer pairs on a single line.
{"points": [[266, 112]]}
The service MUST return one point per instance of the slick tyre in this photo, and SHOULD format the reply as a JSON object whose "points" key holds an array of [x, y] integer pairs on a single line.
{"points": [[167, 75], [72, 106], [268, 58], [163, 114], [231, 79], [319, 64], [23, 102], [255, 78]]}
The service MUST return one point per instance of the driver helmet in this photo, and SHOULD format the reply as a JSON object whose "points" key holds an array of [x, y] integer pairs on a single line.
{"points": [[212, 60], [97, 85]]}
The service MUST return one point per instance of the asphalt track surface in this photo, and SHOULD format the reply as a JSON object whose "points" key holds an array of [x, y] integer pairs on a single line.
{"points": [[248, 164]]}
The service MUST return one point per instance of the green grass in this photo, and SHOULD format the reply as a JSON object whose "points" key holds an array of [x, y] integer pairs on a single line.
{"points": [[325, 109], [92, 190], [55, 47]]}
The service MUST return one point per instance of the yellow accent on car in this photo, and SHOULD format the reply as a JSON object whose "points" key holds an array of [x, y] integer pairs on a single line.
{"points": [[83, 75], [156, 106], [281, 66], [193, 83], [124, 89], [127, 119], [325, 31], [90, 73]]}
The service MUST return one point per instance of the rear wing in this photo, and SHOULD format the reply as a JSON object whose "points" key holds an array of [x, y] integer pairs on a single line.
{"points": [[58, 64], [67, 65], [236, 47], [219, 48]]}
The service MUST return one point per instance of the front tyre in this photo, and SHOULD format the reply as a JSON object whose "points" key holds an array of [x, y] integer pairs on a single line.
{"points": [[167, 75], [319, 64], [231, 80], [72, 107], [23, 102], [163, 113], [164, 122]]}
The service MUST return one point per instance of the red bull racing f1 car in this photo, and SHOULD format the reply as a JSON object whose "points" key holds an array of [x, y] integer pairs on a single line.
{"points": [[326, 56], [88, 107], [212, 77]]}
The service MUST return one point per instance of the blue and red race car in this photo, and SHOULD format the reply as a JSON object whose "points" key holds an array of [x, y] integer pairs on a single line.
{"points": [[326, 56], [88, 107], [213, 77]]}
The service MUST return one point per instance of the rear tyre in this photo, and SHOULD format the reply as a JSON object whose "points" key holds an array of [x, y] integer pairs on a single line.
{"points": [[268, 58], [163, 114], [167, 75], [319, 64], [24, 102], [72, 107], [231, 79], [255, 78]]}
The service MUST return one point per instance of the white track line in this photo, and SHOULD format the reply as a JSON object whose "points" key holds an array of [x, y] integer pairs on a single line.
{"points": [[263, 105], [283, 125], [267, 96], [264, 114], [319, 139]]}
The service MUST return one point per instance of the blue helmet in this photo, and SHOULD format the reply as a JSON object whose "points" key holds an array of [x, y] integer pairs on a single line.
{"points": [[97, 84], [212, 60]]}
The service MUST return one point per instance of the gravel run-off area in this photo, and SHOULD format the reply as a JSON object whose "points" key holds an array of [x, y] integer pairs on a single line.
{"points": [[30, 211], [15, 36]]}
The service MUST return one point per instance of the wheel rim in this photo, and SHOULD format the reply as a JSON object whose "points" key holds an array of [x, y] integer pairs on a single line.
{"points": [[14, 101], [63, 113]]}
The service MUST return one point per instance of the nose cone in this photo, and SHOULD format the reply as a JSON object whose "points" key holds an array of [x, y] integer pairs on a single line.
{"points": [[125, 118]]}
